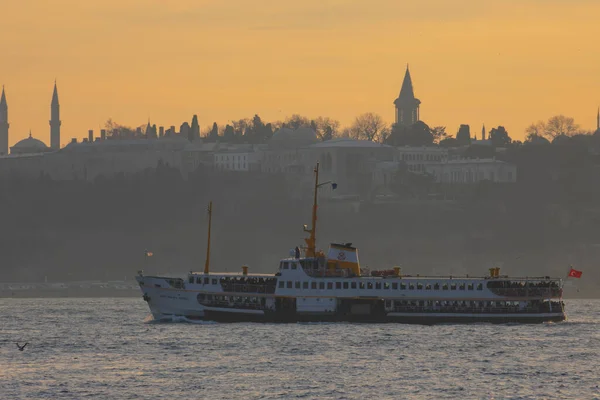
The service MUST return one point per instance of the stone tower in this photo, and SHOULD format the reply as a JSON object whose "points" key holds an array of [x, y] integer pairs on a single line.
{"points": [[55, 121], [407, 106], [3, 125]]}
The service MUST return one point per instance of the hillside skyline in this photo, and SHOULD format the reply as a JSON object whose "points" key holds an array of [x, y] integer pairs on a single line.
{"points": [[471, 63]]}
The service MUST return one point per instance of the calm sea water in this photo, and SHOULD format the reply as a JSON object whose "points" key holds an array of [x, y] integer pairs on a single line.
{"points": [[109, 349]]}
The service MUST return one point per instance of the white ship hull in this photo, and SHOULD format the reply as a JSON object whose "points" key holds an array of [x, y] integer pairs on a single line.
{"points": [[372, 305]]}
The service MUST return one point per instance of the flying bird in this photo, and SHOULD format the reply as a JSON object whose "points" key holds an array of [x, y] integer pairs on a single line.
{"points": [[22, 347]]}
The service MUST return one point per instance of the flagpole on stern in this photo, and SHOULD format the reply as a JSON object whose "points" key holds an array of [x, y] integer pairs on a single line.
{"points": [[562, 284], [574, 274]]}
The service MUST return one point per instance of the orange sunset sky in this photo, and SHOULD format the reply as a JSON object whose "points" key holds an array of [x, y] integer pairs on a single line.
{"points": [[503, 62]]}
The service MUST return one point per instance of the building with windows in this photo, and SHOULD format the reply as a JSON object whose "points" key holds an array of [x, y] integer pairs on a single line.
{"points": [[241, 159], [469, 171], [416, 158]]}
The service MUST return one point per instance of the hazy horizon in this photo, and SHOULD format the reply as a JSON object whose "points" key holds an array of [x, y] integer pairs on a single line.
{"points": [[507, 64]]}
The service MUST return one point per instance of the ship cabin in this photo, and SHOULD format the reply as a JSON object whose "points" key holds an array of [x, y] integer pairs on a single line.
{"points": [[318, 276], [341, 262]]}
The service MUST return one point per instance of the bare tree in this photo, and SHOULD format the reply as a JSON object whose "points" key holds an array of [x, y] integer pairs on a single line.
{"points": [[116, 130], [438, 133], [296, 121], [535, 133], [326, 128], [345, 132], [559, 125], [239, 126], [277, 125], [369, 126], [536, 130]]}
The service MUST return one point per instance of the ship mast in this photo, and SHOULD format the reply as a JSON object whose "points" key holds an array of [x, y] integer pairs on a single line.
{"points": [[207, 263], [311, 241]]}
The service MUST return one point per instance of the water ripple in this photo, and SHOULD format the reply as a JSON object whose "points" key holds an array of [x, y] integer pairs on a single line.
{"points": [[109, 348]]}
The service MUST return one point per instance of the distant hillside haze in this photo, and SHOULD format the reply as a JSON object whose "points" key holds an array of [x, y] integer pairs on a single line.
{"points": [[78, 230]]}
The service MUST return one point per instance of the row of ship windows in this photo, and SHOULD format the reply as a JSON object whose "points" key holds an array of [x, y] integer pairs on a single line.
{"points": [[206, 280], [377, 285]]}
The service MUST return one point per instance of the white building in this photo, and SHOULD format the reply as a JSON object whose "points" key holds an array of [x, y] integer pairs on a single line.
{"points": [[243, 160], [466, 171], [416, 158]]}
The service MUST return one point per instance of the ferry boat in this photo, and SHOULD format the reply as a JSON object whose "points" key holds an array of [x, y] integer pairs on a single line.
{"points": [[310, 285]]}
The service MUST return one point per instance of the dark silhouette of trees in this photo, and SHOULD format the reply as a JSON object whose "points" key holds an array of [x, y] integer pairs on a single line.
{"points": [[463, 136], [536, 130], [418, 134], [229, 134], [369, 126], [194, 132], [438, 133], [558, 125], [534, 138], [297, 121], [499, 137], [326, 128], [257, 132], [213, 135], [448, 142], [115, 130], [239, 128]]}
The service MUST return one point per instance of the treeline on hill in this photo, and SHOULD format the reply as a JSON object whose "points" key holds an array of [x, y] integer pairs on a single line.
{"points": [[99, 230], [369, 126]]}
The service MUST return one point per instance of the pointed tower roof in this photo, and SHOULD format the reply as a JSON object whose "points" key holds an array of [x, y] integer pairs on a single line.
{"points": [[3, 99], [407, 91], [55, 94]]}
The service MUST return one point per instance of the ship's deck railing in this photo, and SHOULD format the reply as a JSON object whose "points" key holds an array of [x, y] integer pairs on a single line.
{"points": [[322, 273], [527, 292], [540, 308]]}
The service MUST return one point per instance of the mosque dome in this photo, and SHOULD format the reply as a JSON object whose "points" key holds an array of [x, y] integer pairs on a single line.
{"points": [[29, 145]]}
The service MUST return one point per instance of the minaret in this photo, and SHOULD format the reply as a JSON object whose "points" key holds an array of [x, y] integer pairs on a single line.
{"points": [[407, 106], [483, 132], [55, 121], [3, 124]]}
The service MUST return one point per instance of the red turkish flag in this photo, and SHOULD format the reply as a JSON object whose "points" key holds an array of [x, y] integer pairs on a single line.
{"points": [[573, 273]]}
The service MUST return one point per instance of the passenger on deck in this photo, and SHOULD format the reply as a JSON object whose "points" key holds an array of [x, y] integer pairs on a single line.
{"points": [[297, 252]]}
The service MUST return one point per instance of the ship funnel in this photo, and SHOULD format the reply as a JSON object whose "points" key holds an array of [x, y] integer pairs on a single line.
{"points": [[343, 257], [495, 272]]}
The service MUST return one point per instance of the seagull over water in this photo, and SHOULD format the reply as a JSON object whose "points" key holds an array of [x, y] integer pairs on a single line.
{"points": [[22, 347]]}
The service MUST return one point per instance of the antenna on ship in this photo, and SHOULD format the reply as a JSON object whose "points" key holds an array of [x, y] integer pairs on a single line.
{"points": [[207, 263], [311, 241]]}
